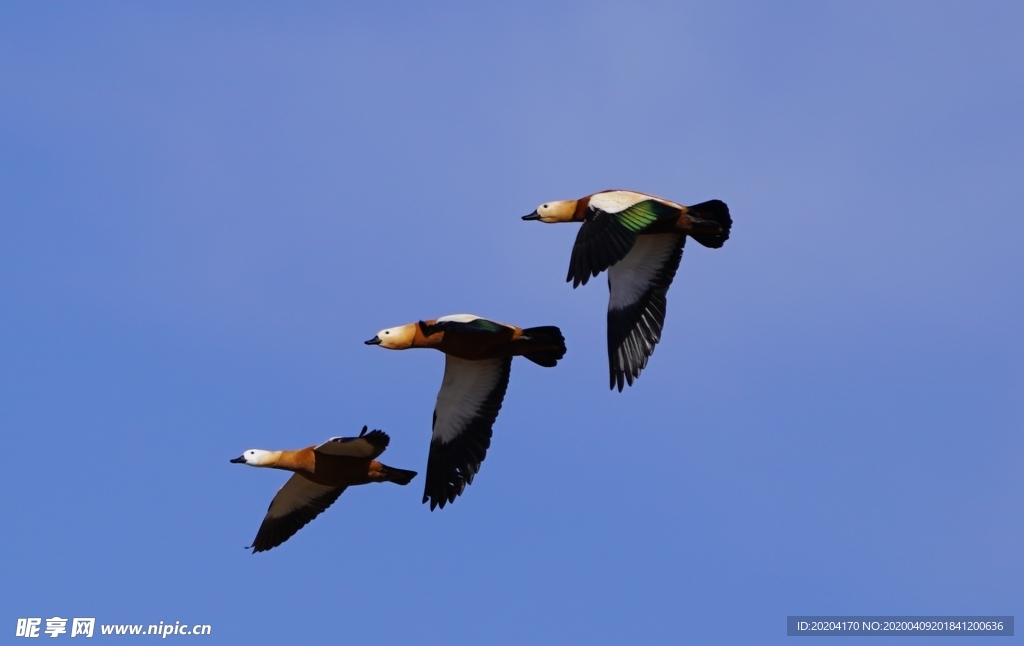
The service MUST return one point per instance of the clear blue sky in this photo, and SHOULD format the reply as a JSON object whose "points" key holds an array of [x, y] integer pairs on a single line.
{"points": [[204, 211]]}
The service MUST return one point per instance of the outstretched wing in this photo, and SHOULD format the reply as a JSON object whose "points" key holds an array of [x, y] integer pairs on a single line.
{"points": [[367, 445], [467, 405], [466, 323], [298, 502], [636, 304], [612, 225]]}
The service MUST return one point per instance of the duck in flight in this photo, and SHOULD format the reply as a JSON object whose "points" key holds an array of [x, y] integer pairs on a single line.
{"points": [[639, 239], [321, 473], [478, 359]]}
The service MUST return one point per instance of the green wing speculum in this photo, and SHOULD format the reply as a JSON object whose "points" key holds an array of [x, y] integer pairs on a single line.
{"points": [[605, 238], [643, 214]]}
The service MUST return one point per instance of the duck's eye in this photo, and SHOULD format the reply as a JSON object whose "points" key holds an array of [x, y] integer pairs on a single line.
{"points": [[544, 206], [386, 333]]}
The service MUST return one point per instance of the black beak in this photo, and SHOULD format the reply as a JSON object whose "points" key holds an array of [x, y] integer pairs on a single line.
{"points": [[532, 216], [239, 460], [374, 341]]}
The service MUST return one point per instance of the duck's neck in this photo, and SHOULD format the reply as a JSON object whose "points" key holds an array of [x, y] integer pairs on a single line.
{"points": [[420, 340], [301, 460]]}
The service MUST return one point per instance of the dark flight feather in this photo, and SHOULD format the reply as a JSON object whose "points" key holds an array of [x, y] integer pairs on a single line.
{"points": [[452, 465], [605, 238], [634, 330]]}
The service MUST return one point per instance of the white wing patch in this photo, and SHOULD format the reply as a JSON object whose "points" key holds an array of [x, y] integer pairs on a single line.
{"points": [[615, 201], [465, 388], [629, 278], [458, 318], [296, 494]]}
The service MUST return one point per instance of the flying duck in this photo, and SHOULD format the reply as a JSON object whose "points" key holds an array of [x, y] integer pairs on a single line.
{"points": [[639, 239], [321, 473], [478, 358]]}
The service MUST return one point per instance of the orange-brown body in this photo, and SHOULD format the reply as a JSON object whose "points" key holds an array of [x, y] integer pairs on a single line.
{"points": [[331, 470], [477, 346]]}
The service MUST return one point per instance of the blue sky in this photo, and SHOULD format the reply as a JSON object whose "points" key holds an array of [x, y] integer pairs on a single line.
{"points": [[204, 211]]}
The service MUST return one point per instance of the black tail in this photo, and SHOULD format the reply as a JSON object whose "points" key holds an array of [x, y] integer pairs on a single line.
{"points": [[713, 222], [545, 337], [399, 476]]}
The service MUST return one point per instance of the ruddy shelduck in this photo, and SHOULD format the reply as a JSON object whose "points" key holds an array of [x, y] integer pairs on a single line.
{"points": [[478, 359], [321, 473], [639, 239]]}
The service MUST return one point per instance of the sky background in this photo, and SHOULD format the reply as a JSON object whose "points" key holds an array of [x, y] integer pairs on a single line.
{"points": [[206, 209]]}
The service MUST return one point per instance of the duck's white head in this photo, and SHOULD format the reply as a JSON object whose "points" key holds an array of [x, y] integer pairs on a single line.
{"points": [[560, 211], [395, 338], [257, 458]]}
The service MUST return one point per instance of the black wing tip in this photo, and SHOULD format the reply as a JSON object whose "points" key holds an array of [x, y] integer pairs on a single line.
{"points": [[265, 545], [443, 488], [579, 280], [268, 540], [451, 467], [632, 339], [378, 438], [629, 359], [621, 378], [438, 499], [437, 502]]}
